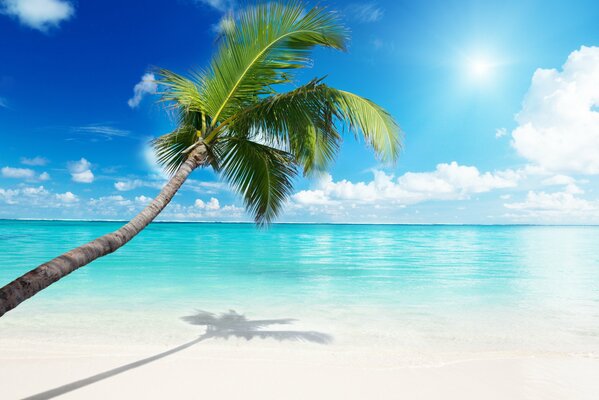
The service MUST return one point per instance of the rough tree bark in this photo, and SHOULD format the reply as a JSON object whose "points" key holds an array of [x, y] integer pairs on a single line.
{"points": [[43, 276]]}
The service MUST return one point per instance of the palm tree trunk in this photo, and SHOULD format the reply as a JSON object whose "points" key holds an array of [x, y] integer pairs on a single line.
{"points": [[43, 276]]}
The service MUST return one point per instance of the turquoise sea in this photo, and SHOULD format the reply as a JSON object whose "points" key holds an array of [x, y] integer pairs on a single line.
{"points": [[456, 288]]}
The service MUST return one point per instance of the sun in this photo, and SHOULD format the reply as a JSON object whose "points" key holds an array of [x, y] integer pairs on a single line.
{"points": [[479, 68]]}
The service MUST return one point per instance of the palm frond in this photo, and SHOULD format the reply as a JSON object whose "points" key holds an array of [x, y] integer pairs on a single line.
{"points": [[181, 92], [377, 126], [170, 148], [261, 174], [304, 121], [265, 43], [300, 122]]}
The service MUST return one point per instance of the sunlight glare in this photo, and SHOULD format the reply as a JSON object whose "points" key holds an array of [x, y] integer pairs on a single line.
{"points": [[480, 68]]}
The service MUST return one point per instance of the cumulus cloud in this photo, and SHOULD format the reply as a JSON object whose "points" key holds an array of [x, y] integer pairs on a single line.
{"points": [[559, 121], [18, 173], [119, 206], [81, 171], [147, 85], [126, 185], [67, 197], [211, 205], [143, 200], [500, 132], [557, 203], [24, 173], [38, 197], [38, 14], [110, 200], [365, 12], [448, 182], [557, 180], [34, 162], [204, 211]]}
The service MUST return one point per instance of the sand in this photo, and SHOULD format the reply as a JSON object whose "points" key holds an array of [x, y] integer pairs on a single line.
{"points": [[157, 355], [269, 369]]}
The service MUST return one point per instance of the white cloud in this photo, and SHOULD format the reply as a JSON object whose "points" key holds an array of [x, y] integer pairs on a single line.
{"points": [[67, 197], [115, 206], [131, 184], [81, 171], [447, 182], [37, 197], [366, 12], [558, 180], [143, 200], [147, 85], [111, 200], [24, 173], [500, 132], [18, 173], [35, 161], [220, 5], [9, 196], [202, 211], [554, 203], [118, 206], [559, 123], [3, 103], [212, 205], [38, 14], [124, 186]]}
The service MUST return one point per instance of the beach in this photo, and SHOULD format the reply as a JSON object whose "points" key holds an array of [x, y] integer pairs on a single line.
{"points": [[269, 369], [307, 311]]}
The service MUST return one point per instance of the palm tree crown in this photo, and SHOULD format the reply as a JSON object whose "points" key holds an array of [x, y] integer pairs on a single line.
{"points": [[256, 137]]}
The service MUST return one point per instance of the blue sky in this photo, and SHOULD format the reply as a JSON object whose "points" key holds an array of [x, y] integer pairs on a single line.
{"points": [[498, 101]]}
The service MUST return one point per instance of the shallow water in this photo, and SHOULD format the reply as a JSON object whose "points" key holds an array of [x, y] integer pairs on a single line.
{"points": [[474, 289]]}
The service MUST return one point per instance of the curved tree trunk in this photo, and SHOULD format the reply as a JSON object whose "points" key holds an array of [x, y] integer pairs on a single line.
{"points": [[43, 276]]}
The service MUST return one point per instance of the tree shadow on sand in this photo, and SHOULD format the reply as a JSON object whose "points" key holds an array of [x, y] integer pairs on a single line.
{"points": [[223, 326], [232, 324]]}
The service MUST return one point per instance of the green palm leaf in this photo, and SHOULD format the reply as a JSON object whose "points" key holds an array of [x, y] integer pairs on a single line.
{"points": [[261, 174], [264, 44], [300, 122], [181, 92], [366, 117], [303, 121], [171, 148]]}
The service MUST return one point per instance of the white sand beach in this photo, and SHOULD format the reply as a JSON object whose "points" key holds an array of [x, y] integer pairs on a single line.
{"points": [[106, 359], [266, 370]]}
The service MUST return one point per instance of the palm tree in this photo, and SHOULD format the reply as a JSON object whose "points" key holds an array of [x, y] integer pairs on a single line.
{"points": [[231, 118]]}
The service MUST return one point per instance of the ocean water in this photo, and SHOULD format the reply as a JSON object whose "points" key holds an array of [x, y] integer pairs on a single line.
{"points": [[418, 289]]}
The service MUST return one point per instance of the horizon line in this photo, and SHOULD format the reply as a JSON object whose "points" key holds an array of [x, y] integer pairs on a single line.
{"points": [[296, 223]]}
